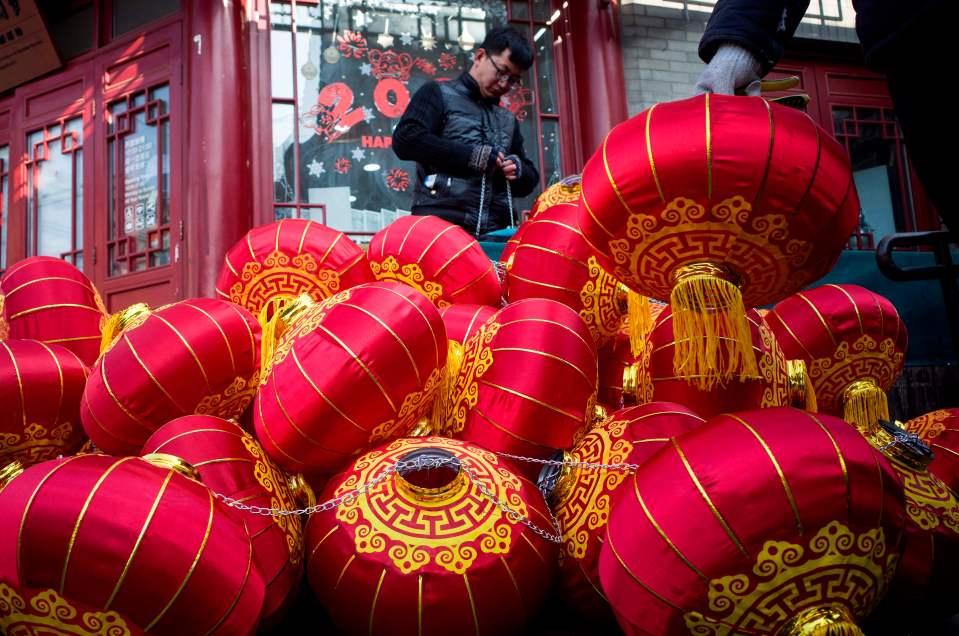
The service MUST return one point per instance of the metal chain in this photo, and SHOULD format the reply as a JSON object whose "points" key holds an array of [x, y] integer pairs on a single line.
{"points": [[430, 462], [512, 514], [509, 200], [479, 212], [630, 468]]}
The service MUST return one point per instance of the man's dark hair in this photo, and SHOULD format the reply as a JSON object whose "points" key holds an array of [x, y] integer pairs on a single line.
{"points": [[501, 38]]}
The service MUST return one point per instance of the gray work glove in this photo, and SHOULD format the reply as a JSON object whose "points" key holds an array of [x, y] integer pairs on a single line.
{"points": [[733, 70]]}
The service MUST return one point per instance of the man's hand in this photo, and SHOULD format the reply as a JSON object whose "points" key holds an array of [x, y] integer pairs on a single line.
{"points": [[508, 166], [733, 70]]}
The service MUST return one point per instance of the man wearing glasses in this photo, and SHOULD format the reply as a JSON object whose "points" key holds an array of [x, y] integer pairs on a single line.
{"points": [[468, 150]]}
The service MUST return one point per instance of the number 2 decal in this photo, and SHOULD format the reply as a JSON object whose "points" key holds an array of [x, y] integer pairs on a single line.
{"points": [[334, 115]]}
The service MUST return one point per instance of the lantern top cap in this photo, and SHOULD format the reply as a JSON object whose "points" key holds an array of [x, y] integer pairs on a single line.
{"points": [[430, 475]]}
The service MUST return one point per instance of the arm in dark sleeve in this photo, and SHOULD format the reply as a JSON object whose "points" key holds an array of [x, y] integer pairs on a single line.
{"points": [[416, 137], [528, 177], [763, 27]]}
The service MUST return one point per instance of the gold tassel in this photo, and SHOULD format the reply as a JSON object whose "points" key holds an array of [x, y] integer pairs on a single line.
{"points": [[117, 323], [835, 620], [712, 338], [863, 405], [275, 318], [422, 428], [10, 472], [838, 629], [640, 321], [443, 399], [802, 395]]}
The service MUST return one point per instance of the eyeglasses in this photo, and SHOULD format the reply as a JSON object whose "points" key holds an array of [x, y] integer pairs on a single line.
{"points": [[503, 75]]}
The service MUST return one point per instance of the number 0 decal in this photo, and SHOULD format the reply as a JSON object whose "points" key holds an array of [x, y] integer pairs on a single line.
{"points": [[391, 97]]}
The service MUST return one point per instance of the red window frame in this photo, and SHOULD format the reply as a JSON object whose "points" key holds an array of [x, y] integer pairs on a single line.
{"points": [[832, 84]]}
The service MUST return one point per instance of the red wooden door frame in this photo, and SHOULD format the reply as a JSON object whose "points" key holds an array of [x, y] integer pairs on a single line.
{"points": [[62, 96], [830, 84], [153, 58]]}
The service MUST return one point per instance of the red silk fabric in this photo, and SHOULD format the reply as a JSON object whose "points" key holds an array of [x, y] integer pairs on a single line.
{"points": [[756, 186], [232, 463], [290, 257], [119, 533], [615, 357], [628, 436], [780, 499], [352, 372], [940, 430], [48, 299], [395, 562], [553, 260], [844, 333], [44, 612], [462, 321], [528, 380], [439, 259], [658, 381], [40, 390], [197, 356]]}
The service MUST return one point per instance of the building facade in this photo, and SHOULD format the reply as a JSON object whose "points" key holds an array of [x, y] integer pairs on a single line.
{"points": [[171, 127]]}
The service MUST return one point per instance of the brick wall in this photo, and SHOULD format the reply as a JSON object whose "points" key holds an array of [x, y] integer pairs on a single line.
{"points": [[660, 61], [660, 44]]}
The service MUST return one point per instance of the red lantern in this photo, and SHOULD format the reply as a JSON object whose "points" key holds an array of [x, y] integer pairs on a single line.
{"points": [[853, 344], [537, 410], [40, 389], [198, 356], [565, 191], [717, 203], [940, 429], [925, 585], [554, 261], [121, 534], [774, 521], [231, 463], [354, 371], [280, 261], [50, 300], [582, 497], [428, 551], [462, 321], [43, 611], [436, 258], [766, 388]]}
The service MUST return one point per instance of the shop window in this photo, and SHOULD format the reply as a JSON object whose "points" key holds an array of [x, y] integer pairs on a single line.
{"points": [[138, 178], [71, 25], [54, 169], [131, 14], [871, 137], [342, 73]]}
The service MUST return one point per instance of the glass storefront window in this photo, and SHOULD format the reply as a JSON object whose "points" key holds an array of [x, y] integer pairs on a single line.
{"points": [[138, 178], [130, 14], [343, 72], [880, 170], [55, 191]]}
